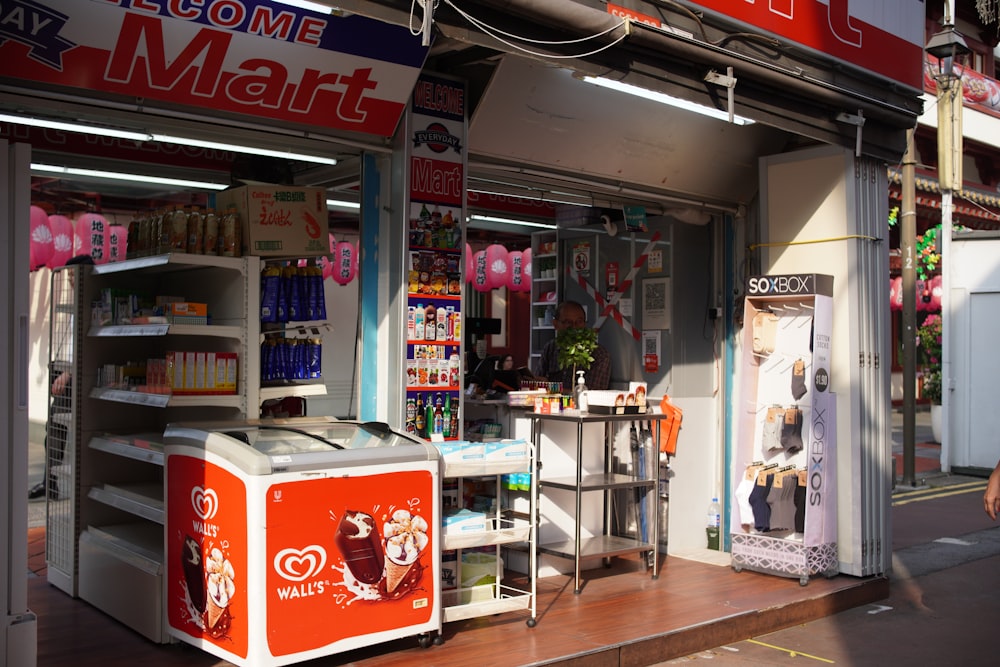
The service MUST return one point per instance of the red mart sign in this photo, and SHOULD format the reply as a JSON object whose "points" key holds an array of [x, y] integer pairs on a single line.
{"points": [[247, 57], [884, 37]]}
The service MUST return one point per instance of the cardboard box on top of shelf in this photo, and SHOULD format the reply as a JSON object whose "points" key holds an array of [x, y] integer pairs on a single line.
{"points": [[279, 220]]}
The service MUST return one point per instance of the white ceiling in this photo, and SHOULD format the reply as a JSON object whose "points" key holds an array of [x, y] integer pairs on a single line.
{"points": [[537, 114]]}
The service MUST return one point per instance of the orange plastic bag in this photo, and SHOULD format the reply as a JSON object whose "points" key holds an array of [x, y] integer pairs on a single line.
{"points": [[671, 426]]}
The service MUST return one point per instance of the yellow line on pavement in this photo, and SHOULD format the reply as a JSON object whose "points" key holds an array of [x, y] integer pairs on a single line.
{"points": [[931, 489], [943, 494], [791, 653]]}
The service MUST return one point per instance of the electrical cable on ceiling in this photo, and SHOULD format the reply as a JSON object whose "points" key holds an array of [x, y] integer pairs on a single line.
{"points": [[496, 32]]}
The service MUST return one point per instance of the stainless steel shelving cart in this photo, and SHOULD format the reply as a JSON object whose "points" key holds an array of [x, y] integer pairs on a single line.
{"points": [[605, 545]]}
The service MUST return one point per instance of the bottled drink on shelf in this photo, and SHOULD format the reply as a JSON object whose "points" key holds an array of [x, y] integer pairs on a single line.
{"points": [[713, 523]]}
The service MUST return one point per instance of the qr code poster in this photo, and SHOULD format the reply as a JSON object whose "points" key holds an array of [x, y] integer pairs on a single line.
{"points": [[656, 303]]}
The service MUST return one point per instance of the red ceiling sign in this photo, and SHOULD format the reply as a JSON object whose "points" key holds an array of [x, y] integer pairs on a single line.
{"points": [[885, 38]]}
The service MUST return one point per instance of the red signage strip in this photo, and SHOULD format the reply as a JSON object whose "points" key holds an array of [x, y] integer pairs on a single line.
{"points": [[250, 57], [885, 38]]}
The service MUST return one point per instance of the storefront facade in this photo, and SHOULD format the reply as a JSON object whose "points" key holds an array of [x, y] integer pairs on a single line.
{"points": [[801, 190]]}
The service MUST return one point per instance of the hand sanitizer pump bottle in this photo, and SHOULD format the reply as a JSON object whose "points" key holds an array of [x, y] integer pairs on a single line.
{"points": [[580, 393]]}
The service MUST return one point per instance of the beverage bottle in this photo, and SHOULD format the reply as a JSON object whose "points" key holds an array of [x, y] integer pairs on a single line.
{"points": [[713, 523], [411, 324], [418, 322], [419, 419], [430, 322]]}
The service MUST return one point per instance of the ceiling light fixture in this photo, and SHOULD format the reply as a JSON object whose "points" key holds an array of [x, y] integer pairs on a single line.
{"points": [[510, 221], [131, 178], [102, 131], [663, 98], [339, 203], [185, 141], [74, 127], [305, 4]]}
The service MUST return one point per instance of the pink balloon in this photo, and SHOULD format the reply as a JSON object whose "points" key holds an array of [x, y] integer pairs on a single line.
{"points": [[496, 265], [480, 274], [117, 242], [922, 286], [62, 240], [515, 273], [345, 263], [526, 268], [40, 246], [92, 237]]}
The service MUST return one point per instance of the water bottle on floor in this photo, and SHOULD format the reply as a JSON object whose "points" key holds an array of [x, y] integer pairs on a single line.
{"points": [[713, 523]]}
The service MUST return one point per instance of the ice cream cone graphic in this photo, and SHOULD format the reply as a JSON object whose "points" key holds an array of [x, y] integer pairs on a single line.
{"points": [[394, 574], [213, 613], [405, 539]]}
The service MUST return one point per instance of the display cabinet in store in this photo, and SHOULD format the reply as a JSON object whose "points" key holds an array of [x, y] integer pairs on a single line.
{"points": [[545, 290], [492, 476], [433, 375], [784, 514], [192, 357]]}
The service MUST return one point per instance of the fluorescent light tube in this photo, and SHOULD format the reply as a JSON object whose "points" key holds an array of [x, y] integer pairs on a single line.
{"points": [[145, 136], [184, 141], [339, 203], [509, 221], [305, 4], [74, 127], [663, 98], [132, 178]]}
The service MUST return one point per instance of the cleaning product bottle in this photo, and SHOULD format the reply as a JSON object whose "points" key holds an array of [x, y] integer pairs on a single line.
{"points": [[580, 393], [713, 523]]}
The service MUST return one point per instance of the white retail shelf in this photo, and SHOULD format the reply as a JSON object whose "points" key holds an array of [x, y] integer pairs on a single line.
{"points": [[165, 400], [131, 330], [170, 261], [483, 468], [507, 533], [146, 447], [142, 500], [281, 391], [510, 599], [142, 538]]}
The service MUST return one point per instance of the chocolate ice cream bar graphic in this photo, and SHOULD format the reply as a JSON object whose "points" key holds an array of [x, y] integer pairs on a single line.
{"points": [[361, 546], [194, 572]]}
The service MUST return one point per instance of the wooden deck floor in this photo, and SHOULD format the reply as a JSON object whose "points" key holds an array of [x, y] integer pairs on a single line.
{"points": [[621, 617]]}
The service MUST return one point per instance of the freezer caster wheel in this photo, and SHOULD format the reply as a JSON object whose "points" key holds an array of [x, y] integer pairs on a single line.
{"points": [[737, 568], [532, 622], [424, 641], [438, 640], [804, 580]]}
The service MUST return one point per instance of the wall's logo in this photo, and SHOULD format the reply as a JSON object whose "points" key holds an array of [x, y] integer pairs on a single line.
{"points": [[300, 564], [205, 502], [437, 138]]}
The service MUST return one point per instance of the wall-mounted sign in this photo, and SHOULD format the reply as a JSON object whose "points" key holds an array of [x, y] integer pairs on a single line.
{"points": [[581, 256]]}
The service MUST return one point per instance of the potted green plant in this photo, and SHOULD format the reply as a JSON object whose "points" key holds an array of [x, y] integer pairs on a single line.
{"points": [[575, 349]]}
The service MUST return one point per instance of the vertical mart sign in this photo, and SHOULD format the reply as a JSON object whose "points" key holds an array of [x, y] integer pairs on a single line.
{"points": [[247, 57]]}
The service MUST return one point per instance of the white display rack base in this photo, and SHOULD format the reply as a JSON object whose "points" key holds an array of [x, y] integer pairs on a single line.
{"points": [[784, 557]]}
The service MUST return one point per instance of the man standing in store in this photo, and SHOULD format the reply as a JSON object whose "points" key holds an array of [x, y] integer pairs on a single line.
{"points": [[571, 315]]}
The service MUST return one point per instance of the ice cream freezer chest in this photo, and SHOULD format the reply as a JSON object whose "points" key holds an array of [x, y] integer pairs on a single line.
{"points": [[287, 542]]}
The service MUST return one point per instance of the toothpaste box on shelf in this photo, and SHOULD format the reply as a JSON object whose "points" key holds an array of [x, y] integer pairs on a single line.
{"points": [[461, 451], [204, 373], [463, 521], [506, 450]]}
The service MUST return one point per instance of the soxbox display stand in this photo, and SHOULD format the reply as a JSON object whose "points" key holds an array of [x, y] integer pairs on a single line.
{"points": [[787, 422]]}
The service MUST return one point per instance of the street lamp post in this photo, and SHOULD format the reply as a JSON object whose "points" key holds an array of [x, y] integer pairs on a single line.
{"points": [[947, 45]]}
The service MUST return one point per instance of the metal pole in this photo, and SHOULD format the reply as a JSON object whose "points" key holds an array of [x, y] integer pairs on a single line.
{"points": [[908, 244]]}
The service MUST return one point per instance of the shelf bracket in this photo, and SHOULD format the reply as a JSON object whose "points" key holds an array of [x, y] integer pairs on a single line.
{"points": [[728, 81]]}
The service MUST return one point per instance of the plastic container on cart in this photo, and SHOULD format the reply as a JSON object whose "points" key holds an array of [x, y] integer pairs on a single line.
{"points": [[293, 539]]}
